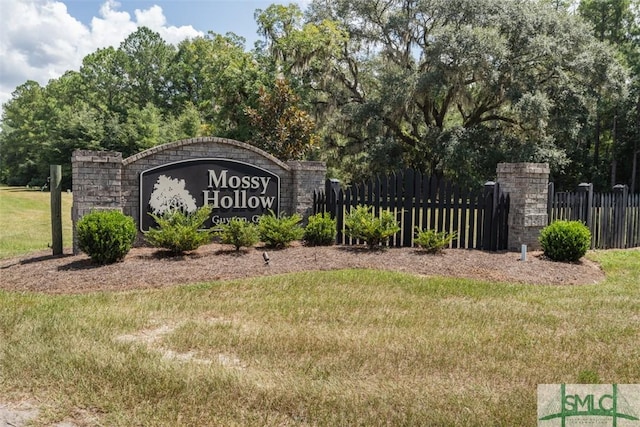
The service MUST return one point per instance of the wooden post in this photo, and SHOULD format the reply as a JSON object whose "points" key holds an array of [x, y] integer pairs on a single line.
{"points": [[56, 208], [489, 214]]}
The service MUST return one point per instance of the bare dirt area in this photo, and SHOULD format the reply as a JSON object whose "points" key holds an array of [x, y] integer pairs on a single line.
{"points": [[150, 268]]}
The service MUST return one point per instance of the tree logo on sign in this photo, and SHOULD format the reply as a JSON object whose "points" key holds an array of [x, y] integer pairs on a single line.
{"points": [[170, 195]]}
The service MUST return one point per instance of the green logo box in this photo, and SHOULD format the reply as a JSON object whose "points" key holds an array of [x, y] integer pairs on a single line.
{"points": [[592, 405]]}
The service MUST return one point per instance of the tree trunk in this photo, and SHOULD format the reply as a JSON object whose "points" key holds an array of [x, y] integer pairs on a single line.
{"points": [[634, 168], [596, 146], [614, 161], [636, 152]]}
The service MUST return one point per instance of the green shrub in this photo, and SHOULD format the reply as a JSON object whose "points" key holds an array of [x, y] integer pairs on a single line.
{"points": [[239, 232], [106, 236], [280, 232], [180, 232], [433, 241], [565, 240], [588, 377], [374, 230], [320, 230]]}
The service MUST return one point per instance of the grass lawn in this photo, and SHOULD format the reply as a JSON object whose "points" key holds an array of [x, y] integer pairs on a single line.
{"points": [[335, 348], [25, 219]]}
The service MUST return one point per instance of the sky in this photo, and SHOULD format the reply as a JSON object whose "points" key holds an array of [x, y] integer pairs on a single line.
{"points": [[42, 39]]}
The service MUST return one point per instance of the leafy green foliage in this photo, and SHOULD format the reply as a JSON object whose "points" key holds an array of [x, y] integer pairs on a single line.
{"points": [[279, 232], [433, 241], [588, 377], [106, 236], [279, 125], [239, 232], [431, 94], [362, 224], [180, 232], [565, 240], [455, 94], [320, 230]]}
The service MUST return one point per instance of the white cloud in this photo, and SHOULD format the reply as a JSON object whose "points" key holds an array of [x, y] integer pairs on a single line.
{"points": [[39, 40]]}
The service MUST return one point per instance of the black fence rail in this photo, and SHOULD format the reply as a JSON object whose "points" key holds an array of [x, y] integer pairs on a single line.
{"points": [[477, 217], [613, 218]]}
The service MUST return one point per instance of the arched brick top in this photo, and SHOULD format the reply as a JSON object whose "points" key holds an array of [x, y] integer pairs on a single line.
{"points": [[212, 140]]}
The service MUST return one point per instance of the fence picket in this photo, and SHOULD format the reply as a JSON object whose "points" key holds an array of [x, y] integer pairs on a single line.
{"points": [[422, 202], [407, 208], [465, 209], [613, 218], [340, 207], [374, 190], [455, 228]]}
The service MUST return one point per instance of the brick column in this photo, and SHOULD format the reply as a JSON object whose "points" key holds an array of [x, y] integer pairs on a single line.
{"points": [[527, 185], [97, 184], [307, 177]]}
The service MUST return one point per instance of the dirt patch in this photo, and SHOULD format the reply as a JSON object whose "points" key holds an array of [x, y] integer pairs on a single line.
{"points": [[22, 414], [151, 338], [150, 268], [16, 414]]}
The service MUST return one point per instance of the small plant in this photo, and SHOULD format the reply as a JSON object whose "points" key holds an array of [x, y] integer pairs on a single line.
{"points": [[239, 232], [374, 230], [279, 232], [180, 232], [106, 236], [588, 377], [565, 241], [320, 230], [433, 241]]}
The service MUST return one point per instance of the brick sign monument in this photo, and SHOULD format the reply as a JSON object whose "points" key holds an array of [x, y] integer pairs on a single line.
{"points": [[236, 179]]}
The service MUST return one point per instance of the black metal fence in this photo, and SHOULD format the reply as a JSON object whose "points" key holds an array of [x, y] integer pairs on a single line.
{"points": [[613, 218], [478, 217]]}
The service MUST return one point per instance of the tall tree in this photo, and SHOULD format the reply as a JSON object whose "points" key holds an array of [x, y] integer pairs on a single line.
{"points": [[103, 78], [420, 82], [215, 74], [613, 21], [279, 126], [147, 59], [24, 136]]}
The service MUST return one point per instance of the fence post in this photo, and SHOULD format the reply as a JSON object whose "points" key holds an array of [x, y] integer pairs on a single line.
{"points": [[550, 201], [489, 213], [55, 179], [620, 212], [586, 201], [331, 188]]}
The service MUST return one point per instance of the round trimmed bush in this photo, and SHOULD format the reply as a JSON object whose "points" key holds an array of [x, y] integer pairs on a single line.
{"points": [[279, 232], [566, 241], [106, 236], [239, 232], [320, 230], [179, 231], [375, 230]]}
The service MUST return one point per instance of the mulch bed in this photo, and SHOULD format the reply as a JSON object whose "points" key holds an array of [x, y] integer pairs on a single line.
{"points": [[150, 268]]}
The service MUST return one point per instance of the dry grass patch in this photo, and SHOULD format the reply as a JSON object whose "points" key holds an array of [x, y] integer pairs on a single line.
{"points": [[25, 216], [352, 347]]}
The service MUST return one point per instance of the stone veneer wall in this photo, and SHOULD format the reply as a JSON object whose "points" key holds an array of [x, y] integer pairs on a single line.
{"points": [[103, 180], [527, 185], [307, 177], [97, 184]]}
